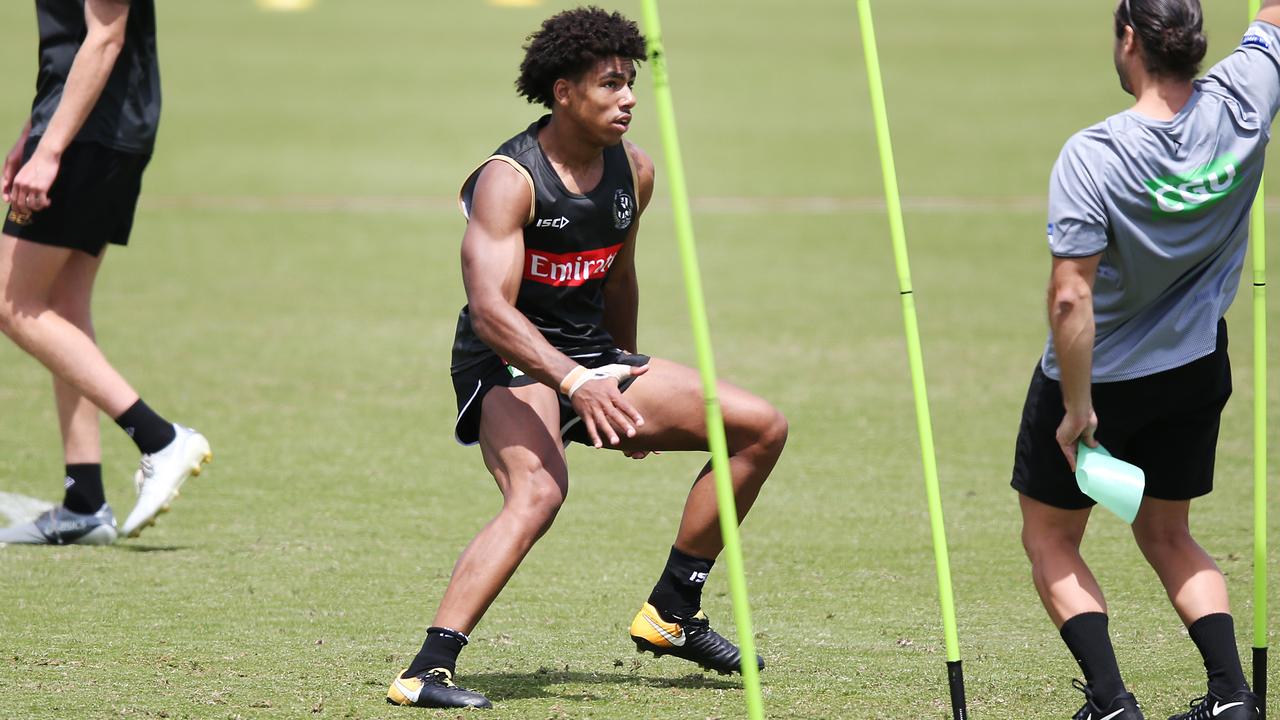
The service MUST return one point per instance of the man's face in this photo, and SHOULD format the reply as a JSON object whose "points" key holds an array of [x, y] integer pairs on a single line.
{"points": [[601, 100]]}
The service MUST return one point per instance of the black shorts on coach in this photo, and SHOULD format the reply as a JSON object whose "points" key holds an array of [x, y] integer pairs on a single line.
{"points": [[91, 203], [472, 384], [1166, 424]]}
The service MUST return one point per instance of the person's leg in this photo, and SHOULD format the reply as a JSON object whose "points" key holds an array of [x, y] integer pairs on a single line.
{"points": [[519, 438], [28, 273], [1070, 593], [71, 298], [669, 397], [1195, 586]]}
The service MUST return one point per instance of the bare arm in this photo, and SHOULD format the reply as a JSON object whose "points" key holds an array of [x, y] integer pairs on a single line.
{"points": [[1270, 12], [106, 20], [1071, 318], [492, 266], [622, 289]]}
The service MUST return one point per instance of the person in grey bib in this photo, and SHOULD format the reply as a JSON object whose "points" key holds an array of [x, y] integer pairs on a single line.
{"points": [[1148, 228]]}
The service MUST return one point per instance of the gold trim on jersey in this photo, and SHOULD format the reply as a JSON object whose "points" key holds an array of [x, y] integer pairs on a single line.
{"points": [[533, 193]]}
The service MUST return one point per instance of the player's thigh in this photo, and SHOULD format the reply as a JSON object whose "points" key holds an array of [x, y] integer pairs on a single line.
{"points": [[669, 397], [28, 270], [520, 441], [72, 292]]}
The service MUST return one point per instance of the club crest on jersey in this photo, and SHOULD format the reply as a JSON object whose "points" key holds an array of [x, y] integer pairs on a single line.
{"points": [[623, 209]]}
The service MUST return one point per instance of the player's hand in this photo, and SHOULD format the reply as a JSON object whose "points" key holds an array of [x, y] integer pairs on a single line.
{"points": [[12, 163], [1077, 427], [29, 192], [604, 411]]}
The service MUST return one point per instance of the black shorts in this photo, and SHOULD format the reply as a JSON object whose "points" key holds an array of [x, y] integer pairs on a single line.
{"points": [[92, 201], [1166, 424], [472, 384]]}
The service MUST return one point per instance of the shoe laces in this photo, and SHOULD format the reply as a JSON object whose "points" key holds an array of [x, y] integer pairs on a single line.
{"points": [[1089, 705], [439, 676], [1198, 708], [146, 471]]}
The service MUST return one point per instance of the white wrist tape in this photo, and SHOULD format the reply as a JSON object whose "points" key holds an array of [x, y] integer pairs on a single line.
{"points": [[576, 379]]}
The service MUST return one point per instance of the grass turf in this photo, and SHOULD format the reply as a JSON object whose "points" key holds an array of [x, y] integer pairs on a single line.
{"points": [[292, 293]]}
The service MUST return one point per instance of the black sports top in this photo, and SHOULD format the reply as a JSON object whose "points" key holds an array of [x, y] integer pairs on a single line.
{"points": [[570, 242], [128, 112]]}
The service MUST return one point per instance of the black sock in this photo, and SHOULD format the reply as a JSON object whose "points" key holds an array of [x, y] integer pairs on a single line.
{"points": [[150, 432], [84, 488], [1215, 636], [679, 589], [1087, 637], [440, 650]]}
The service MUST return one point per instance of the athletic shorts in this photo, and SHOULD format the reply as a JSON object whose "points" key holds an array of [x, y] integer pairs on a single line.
{"points": [[92, 201], [1166, 424], [472, 384]]}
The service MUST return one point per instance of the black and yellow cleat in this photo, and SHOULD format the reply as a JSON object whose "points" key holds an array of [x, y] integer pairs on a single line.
{"points": [[434, 689], [689, 638]]}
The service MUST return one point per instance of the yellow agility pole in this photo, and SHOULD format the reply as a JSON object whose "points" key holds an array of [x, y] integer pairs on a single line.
{"points": [[955, 672], [706, 363]]}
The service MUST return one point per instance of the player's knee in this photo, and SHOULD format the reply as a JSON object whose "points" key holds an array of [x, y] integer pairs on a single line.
{"points": [[1162, 537], [11, 315], [538, 501], [767, 426], [1041, 543]]}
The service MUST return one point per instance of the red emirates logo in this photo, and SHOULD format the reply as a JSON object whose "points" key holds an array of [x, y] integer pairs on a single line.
{"points": [[569, 269]]}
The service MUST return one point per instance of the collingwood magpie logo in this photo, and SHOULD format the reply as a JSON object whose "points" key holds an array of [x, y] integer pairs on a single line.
{"points": [[622, 209]]}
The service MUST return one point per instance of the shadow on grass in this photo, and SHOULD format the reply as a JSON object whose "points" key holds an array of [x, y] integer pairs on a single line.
{"points": [[500, 687], [130, 547]]}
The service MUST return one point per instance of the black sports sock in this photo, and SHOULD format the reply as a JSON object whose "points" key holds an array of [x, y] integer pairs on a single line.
{"points": [[1087, 637], [440, 650], [1215, 636], [84, 493], [679, 588], [150, 432]]}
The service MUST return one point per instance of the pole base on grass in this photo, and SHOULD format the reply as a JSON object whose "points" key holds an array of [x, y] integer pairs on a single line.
{"points": [[955, 678], [1260, 679]]}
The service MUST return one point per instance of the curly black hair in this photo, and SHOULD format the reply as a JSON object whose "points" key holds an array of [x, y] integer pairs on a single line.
{"points": [[569, 44]]}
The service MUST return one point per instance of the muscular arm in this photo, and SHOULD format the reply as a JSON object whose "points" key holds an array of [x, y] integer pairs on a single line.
{"points": [[106, 20], [622, 289], [492, 266], [1270, 12], [1071, 318]]}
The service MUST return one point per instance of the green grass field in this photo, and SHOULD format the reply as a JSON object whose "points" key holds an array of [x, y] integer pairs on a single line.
{"points": [[292, 290]]}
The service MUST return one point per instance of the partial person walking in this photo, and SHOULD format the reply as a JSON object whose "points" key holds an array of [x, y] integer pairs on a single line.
{"points": [[72, 181]]}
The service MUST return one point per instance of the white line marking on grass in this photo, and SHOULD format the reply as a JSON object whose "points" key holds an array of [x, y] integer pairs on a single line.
{"points": [[728, 205], [20, 508]]}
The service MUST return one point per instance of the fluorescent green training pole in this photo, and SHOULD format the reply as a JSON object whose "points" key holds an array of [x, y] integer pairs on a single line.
{"points": [[955, 674], [1258, 235], [706, 362]]}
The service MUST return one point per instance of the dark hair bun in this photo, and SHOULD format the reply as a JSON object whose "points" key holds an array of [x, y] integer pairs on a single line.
{"points": [[1171, 33]]}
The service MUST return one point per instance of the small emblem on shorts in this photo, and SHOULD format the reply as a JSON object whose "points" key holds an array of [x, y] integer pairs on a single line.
{"points": [[19, 218], [514, 371], [622, 209]]}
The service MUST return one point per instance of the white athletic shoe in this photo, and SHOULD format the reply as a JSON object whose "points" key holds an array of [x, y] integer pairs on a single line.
{"points": [[160, 474]]}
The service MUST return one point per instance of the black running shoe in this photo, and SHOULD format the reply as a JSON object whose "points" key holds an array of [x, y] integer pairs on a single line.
{"points": [[1243, 705], [434, 689], [688, 638], [1124, 707]]}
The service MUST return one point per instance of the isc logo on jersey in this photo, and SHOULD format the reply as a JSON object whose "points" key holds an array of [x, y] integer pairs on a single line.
{"points": [[554, 223], [1181, 194]]}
